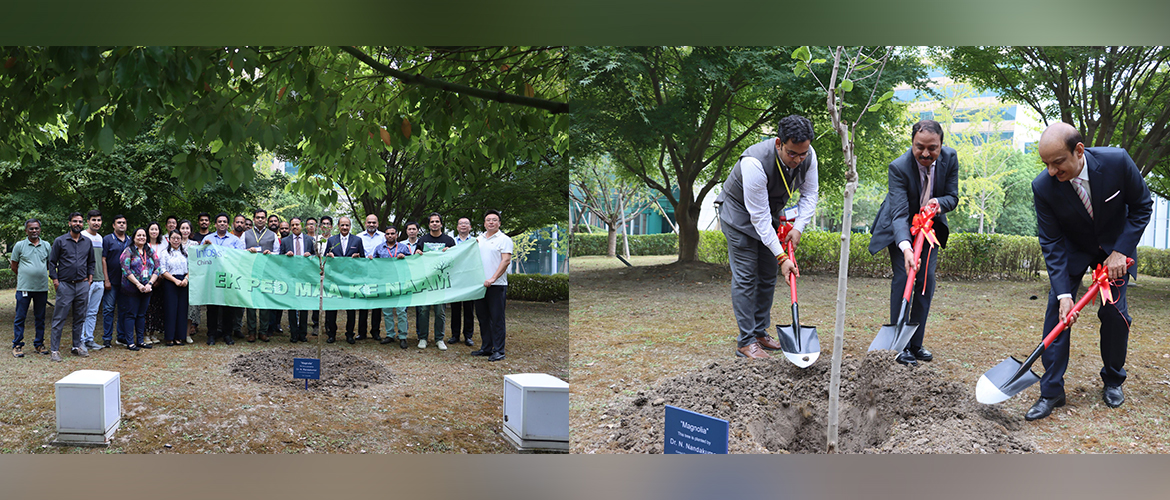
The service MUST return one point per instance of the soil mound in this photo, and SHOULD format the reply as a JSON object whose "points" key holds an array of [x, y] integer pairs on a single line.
{"points": [[775, 407], [339, 369]]}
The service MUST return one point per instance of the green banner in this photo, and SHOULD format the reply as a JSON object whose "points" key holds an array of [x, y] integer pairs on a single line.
{"points": [[237, 278]]}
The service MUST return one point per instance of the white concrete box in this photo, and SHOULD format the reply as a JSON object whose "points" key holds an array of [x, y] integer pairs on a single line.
{"points": [[536, 411], [89, 406]]}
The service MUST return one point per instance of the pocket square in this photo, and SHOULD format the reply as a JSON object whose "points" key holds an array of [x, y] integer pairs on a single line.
{"points": [[1114, 195]]}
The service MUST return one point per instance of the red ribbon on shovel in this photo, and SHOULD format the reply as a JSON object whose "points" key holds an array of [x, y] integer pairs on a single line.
{"points": [[924, 223]]}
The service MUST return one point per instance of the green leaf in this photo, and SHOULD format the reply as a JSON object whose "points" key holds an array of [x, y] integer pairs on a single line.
{"points": [[106, 139], [846, 85], [875, 106], [885, 97], [802, 54], [818, 61]]}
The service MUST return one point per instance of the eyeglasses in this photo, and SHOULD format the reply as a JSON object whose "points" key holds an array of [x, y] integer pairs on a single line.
{"points": [[794, 155]]}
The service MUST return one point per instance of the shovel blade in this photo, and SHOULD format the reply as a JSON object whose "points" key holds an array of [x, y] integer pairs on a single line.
{"points": [[893, 337], [997, 385], [802, 348]]}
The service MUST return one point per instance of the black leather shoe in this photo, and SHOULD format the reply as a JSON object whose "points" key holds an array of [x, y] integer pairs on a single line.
{"points": [[350, 340], [495, 357], [331, 340], [1113, 396], [402, 343], [386, 340], [293, 340], [480, 352], [906, 358], [468, 343], [1043, 408], [376, 337], [360, 336], [920, 353]]}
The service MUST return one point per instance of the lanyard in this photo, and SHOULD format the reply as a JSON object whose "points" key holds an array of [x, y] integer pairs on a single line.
{"points": [[782, 177]]}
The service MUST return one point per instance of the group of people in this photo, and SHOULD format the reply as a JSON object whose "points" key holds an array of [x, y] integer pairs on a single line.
{"points": [[1091, 208], [138, 282]]}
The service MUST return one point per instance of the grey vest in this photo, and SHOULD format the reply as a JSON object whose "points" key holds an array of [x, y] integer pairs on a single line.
{"points": [[733, 211], [266, 240]]}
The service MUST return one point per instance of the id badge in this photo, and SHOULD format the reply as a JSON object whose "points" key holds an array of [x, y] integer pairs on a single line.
{"points": [[790, 213], [24, 294]]}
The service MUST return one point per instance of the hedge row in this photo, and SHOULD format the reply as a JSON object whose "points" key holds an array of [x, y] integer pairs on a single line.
{"points": [[7, 279], [1154, 262], [640, 244], [968, 255], [538, 287]]}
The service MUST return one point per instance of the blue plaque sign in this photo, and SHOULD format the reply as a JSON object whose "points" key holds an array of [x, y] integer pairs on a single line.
{"points": [[688, 432], [307, 368]]}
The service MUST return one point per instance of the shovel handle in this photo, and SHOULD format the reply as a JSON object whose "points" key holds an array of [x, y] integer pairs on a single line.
{"points": [[792, 276], [1085, 299], [910, 276]]}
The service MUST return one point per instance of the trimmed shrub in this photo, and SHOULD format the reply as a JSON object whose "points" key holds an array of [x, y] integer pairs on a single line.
{"points": [[538, 287], [967, 256], [640, 244], [1154, 262], [7, 279]]}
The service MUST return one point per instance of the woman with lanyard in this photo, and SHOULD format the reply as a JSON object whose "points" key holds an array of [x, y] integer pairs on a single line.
{"points": [[173, 266], [139, 272], [156, 239]]}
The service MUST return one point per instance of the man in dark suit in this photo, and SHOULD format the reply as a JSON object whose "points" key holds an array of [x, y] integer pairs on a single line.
{"points": [[343, 244], [300, 245], [1091, 208], [928, 173]]}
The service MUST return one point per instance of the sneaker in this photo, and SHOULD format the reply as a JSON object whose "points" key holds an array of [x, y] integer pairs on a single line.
{"points": [[190, 340], [105, 345], [422, 343], [41, 349], [79, 352], [118, 341], [55, 356], [441, 345], [18, 352], [93, 346]]}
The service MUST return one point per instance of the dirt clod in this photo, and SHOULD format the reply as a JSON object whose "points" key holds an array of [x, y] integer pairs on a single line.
{"points": [[339, 369], [774, 407]]}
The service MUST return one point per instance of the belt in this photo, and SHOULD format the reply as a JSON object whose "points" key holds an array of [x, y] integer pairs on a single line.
{"points": [[73, 282]]}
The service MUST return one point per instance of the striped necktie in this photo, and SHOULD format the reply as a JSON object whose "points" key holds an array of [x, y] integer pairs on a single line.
{"points": [[1083, 195]]}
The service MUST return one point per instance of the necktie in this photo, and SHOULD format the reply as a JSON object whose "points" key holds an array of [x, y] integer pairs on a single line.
{"points": [[298, 245], [1083, 195], [927, 184]]}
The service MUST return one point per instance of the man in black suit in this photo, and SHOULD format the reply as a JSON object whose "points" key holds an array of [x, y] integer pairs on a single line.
{"points": [[1092, 206], [297, 244], [342, 245], [928, 173]]}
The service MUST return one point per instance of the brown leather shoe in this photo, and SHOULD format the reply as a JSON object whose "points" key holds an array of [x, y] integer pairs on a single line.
{"points": [[251, 338], [264, 338], [753, 351], [769, 343]]}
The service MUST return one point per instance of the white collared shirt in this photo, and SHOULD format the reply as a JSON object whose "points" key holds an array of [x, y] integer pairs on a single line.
{"points": [[755, 199]]}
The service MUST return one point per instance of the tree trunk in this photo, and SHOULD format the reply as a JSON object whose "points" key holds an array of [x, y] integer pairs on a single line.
{"points": [[686, 213], [611, 245], [842, 286], [625, 228]]}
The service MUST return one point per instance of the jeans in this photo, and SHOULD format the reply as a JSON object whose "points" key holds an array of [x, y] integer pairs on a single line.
{"points": [[38, 299], [109, 320], [135, 304], [96, 294], [422, 318], [395, 316]]}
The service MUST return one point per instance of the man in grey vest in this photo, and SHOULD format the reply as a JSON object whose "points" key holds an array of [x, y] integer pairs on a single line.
{"points": [[751, 205]]}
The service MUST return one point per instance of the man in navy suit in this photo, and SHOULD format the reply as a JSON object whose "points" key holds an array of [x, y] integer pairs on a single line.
{"points": [[1091, 208], [344, 244], [928, 173], [297, 244]]}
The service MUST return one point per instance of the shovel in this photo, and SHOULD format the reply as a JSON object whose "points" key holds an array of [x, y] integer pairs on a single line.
{"points": [[895, 337], [798, 342], [1010, 377]]}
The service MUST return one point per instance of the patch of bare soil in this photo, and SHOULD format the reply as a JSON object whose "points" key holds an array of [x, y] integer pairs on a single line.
{"points": [[339, 369], [775, 407]]}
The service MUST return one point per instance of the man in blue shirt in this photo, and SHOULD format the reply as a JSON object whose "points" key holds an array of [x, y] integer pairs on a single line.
{"points": [[219, 318], [395, 316], [112, 246]]}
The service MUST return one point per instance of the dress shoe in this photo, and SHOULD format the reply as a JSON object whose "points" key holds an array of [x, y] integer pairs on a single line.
{"points": [[376, 337], [264, 337], [481, 352], [387, 340], [251, 338], [360, 336], [229, 341], [292, 340], [906, 358], [402, 343], [1113, 396], [1043, 407], [349, 340], [468, 343], [767, 342], [330, 340], [752, 350], [495, 357], [920, 353]]}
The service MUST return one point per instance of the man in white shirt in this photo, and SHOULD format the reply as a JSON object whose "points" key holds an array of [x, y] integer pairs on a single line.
{"points": [[751, 206], [98, 287], [495, 250], [371, 238]]}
